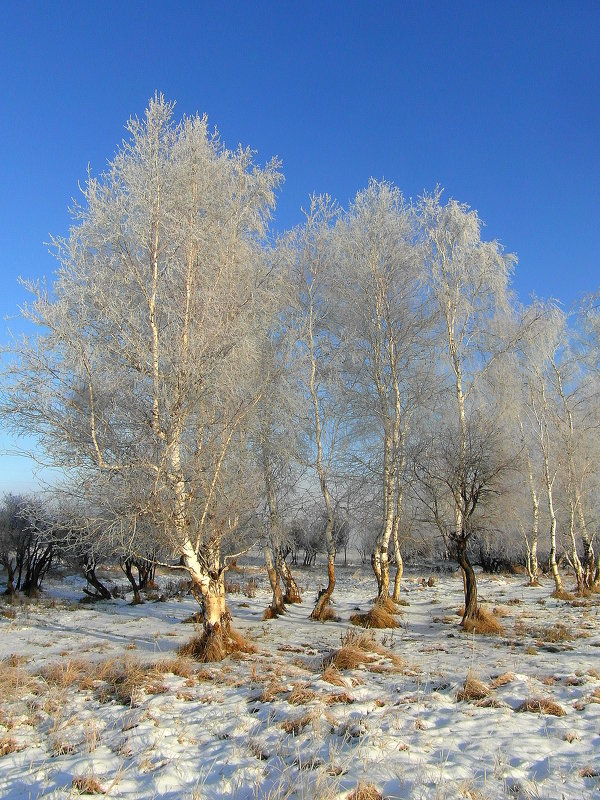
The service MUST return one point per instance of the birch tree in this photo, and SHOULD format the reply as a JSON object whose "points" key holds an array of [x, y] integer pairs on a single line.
{"points": [[314, 322], [468, 280], [383, 327], [144, 368]]}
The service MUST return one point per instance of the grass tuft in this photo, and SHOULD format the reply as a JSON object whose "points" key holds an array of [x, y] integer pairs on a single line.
{"points": [[378, 617], [87, 784], [365, 791], [473, 690], [484, 623], [542, 705], [215, 645]]}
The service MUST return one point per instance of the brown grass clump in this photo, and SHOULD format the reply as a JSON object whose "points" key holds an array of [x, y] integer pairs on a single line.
{"points": [[87, 784], [9, 745], [339, 697], [590, 772], [301, 694], [555, 633], [485, 623], [473, 690], [215, 645], [15, 681], [298, 724], [365, 791], [503, 679], [377, 617], [542, 705], [332, 675], [66, 673], [270, 613], [355, 651], [121, 680], [272, 690], [181, 666], [563, 595]]}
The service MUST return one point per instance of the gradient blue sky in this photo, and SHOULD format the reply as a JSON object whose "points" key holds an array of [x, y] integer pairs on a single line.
{"points": [[499, 103]]}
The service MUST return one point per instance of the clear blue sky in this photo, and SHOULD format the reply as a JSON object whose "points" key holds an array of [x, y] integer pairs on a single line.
{"points": [[499, 103]]}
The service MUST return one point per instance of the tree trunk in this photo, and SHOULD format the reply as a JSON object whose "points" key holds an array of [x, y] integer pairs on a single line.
{"points": [[292, 593], [277, 607], [399, 570], [321, 608], [101, 593], [470, 582]]}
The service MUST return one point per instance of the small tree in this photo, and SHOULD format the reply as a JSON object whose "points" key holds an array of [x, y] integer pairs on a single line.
{"points": [[27, 544]]}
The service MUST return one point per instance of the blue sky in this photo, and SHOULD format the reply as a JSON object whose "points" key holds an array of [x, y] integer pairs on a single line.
{"points": [[499, 103]]}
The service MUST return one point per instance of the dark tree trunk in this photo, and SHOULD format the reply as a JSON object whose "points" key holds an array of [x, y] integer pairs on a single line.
{"points": [[292, 593], [320, 610], [469, 579], [126, 566]]}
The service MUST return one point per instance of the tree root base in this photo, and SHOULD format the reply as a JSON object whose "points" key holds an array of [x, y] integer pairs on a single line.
{"points": [[215, 644], [483, 622]]}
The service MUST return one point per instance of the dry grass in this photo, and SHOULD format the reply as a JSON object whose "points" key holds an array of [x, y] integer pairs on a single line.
{"points": [[473, 690], [377, 617], [338, 697], [563, 595], [365, 791], [122, 680], [270, 613], [215, 645], [9, 745], [332, 675], [87, 784], [542, 705], [301, 694], [65, 674], [590, 772], [484, 623], [502, 680], [356, 650], [181, 666], [298, 724], [15, 681]]}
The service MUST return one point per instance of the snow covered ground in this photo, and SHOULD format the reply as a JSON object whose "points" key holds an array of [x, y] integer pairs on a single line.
{"points": [[94, 697]]}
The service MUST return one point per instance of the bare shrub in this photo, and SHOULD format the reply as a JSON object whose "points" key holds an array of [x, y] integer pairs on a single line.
{"points": [[542, 705]]}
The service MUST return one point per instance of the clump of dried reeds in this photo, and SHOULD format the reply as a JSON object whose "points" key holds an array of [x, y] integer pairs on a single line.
{"points": [[484, 622], [542, 705]]}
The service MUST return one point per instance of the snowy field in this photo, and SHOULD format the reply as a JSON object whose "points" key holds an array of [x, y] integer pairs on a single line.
{"points": [[93, 698]]}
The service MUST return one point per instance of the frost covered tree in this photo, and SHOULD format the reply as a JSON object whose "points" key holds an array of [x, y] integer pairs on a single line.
{"points": [[143, 371], [384, 324], [313, 319], [468, 280]]}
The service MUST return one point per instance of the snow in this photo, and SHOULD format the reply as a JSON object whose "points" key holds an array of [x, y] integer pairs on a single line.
{"points": [[211, 732]]}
